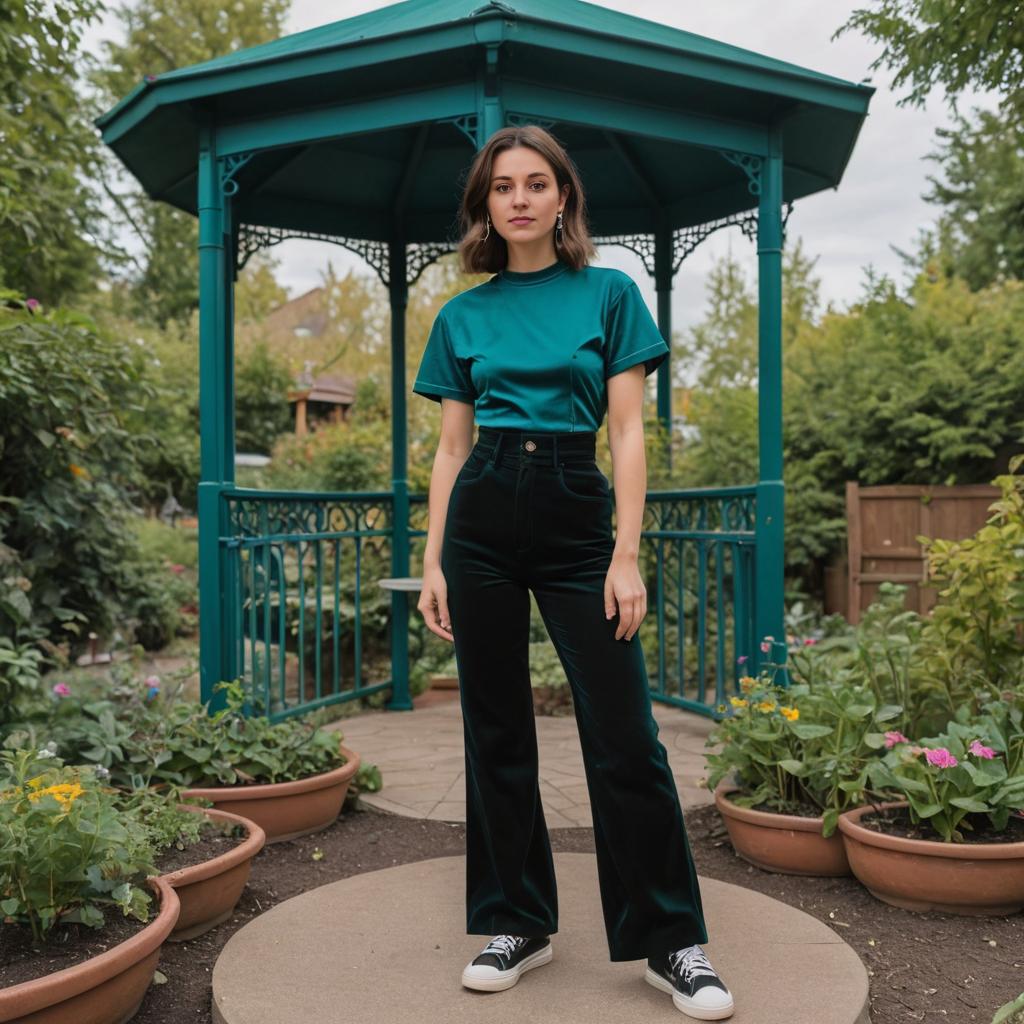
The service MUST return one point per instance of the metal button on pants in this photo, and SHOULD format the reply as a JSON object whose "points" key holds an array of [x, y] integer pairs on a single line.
{"points": [[532, 512]]}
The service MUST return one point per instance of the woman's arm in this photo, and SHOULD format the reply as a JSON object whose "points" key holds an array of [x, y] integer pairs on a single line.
{"points": [[623, 584], [453, 447]]}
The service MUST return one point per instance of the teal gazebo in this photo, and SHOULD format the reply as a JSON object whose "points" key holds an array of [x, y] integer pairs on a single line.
{"points": [[359, 133]]}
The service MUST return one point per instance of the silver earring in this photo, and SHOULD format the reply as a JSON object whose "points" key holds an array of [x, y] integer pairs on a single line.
{"points": [[487, 234], [558, 229]]}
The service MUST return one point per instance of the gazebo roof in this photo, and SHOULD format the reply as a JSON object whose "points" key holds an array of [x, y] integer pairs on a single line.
{"points": [[353, 124]]}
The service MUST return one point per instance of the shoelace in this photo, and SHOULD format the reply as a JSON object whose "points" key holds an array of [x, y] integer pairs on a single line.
{"points": [[504, 944], [691, 961]]}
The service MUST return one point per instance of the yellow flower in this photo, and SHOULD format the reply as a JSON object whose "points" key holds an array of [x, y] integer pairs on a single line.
{"points": [[36, 782], [766, 705], [737, 702], [790, 713], [65, 793], [79, 471], [747, 683]]}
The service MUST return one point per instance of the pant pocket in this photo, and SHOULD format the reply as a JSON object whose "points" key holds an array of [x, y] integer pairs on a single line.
{"points": [[584, 482]]}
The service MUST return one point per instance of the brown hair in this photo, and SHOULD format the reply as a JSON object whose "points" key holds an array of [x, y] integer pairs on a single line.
{"points": [[481, 256]]}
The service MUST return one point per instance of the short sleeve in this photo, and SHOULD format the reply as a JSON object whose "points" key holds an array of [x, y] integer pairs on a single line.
{"points": [[631, 335], [442, 374]]}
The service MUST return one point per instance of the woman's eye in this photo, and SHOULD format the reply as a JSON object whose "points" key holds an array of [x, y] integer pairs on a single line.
{"points": [[504, 186]]}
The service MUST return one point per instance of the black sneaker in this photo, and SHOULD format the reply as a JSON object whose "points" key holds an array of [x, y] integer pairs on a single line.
{"points": [[696, 989], [503, 959]]}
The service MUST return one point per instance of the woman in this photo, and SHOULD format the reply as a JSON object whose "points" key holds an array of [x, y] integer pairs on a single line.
{"points": [[539, 353]]}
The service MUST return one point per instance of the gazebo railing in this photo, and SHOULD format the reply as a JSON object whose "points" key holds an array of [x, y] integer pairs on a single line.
{"points": [[295, 596], [296, 593], [701, 543]]}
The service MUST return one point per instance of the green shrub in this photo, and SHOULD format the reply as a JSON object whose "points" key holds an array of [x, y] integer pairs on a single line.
{"points": [[975, 634], [48, 875], [68, 471]]}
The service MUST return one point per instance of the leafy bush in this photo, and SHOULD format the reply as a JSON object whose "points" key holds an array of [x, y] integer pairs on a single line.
{"points": [[19, 676], [47, 874], [975, 634], [68, 473]]}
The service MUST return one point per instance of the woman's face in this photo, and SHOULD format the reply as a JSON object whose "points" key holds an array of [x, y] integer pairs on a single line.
{"points": [[523, 200]]}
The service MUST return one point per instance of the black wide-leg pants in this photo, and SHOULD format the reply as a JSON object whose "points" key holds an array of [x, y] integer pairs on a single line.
{"points": [[532, 511]]}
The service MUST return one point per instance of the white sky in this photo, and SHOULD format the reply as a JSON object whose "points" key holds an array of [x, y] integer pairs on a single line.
{"points": [[876, 206]]}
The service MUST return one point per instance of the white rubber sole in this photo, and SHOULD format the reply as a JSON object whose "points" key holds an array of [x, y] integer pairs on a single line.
{"points": [[686, 1005], [508, 978]]}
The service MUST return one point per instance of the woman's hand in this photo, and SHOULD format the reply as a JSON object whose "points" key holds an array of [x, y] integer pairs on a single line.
{"points": [[624, 586], [433, 603]]}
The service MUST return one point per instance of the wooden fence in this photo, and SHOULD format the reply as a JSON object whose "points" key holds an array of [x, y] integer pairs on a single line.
{"points": [[882, 526]]}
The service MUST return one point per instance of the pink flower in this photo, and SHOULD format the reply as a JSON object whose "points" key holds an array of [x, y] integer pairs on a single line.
{"points": [[742, 658], [941, 758], [765, 646], [152, 680], [176, 567], [893, 737], [979, 750], [809, 640], [62, 690], [32, 304]]}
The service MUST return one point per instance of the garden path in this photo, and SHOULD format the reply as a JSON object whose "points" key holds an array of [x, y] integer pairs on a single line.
{"points": [[422, 762]]}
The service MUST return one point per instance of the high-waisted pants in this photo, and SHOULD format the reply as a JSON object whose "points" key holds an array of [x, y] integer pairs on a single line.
{"points": [[531, 511]]}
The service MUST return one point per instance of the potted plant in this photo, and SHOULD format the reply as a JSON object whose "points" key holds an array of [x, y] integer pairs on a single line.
{"points": [[797, 757], [953, 839], [50, 882], [204, 853], [287, 777]]}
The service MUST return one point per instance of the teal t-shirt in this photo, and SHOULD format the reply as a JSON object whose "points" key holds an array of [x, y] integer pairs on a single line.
{"points": [[531, 350]]}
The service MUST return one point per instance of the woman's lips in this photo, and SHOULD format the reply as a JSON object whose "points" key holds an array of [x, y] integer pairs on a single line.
{"points": [[522, 220]]}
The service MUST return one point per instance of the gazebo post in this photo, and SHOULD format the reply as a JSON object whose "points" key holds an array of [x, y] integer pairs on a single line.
{"points": [[398, 292], [216, 418], [769, 529], [663, 253]]}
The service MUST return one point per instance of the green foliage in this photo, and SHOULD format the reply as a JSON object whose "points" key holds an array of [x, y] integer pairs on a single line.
{"points": [[262, 414], [958, 44], [49, 220], [929, 390], [169, 545], [159, 36], [975, 634], [335, 457], [145, 740], [1011, 1012], [798, 746], [980, 236], [973, 768], [48, 875], [19, 676], [67, 469]]}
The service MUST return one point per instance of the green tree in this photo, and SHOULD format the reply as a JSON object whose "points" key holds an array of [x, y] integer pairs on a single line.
{"points": [[160, 35], [261, 400], [958, 44], [980, 232], [51, 225]]}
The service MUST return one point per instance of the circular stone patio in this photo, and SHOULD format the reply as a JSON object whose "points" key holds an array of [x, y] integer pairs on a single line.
{"points": [[389, 946]]}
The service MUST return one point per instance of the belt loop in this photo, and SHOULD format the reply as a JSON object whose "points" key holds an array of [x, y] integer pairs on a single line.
{"points": [[554, 451], [496, 454]]}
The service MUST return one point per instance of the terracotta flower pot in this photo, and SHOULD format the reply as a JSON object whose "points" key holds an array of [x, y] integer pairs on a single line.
{"points": [[444, 682], [974, 879], [287, 810], [210, 891], [784, 843], [106, 989]]}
